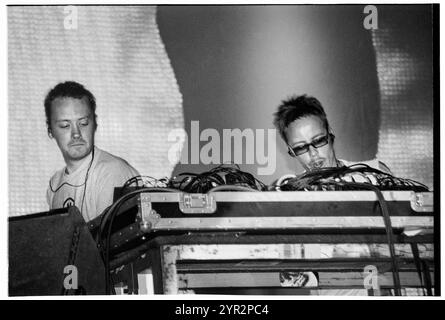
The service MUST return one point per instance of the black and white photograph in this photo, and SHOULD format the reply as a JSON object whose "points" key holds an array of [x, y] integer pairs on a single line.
{"points": [[214, 150]]}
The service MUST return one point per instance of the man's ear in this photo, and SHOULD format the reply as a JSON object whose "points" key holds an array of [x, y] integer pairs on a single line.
{"points": [[50, 133], [95, 122]]}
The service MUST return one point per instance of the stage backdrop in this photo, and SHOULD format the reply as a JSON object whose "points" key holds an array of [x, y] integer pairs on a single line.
{"points": [[117, 53], [404, 50], [234, 64]]}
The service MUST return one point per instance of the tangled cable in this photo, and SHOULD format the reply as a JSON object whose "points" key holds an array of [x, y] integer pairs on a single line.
{"points": [[145, 181], [221, 178], [106, 224], [222, 175], [231, 178], [356, 177], [361, 174], [388, 227]]}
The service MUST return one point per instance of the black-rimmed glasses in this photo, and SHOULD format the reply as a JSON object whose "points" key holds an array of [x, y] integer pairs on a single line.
{"points": [[317, 143]]}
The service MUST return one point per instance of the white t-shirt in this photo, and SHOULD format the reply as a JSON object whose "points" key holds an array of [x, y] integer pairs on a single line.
{"points": [[375, 163], [91, 186]]}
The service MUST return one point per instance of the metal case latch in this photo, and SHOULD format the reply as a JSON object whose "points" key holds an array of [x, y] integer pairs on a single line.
{"points": [[422, 202], [148, 216], [197, 203]]}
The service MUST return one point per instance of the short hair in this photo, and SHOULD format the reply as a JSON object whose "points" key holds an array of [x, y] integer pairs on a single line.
{"points": [[297, 107], [68, 89]]}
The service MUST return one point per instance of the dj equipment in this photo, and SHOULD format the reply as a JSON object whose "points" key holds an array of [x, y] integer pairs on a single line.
{"points": [[223, 240], [53, 253]]}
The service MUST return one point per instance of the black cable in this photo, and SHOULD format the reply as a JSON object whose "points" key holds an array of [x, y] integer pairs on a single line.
{"points": [[126, 196], [331, 179], [141, 178], [384, 181], [190, 182], [232, 188], [221, 175], [64, 184], [388, 229], [73, 185], [109, 215], [417, 262], [65, 292], [85, 183]]}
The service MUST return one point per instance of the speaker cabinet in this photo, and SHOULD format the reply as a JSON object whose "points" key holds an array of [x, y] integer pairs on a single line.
{"points": [[42, 261]]}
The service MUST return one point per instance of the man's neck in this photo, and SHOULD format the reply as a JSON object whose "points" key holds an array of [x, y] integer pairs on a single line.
{"points": [[73, 165]]}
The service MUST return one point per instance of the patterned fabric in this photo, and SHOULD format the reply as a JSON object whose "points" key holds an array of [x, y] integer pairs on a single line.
{"points": [[403, 45], [117, 54]]}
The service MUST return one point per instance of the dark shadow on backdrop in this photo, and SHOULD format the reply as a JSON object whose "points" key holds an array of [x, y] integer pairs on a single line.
{"points": [[207, 46]]}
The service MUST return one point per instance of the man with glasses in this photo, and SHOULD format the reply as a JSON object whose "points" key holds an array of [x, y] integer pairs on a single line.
{"points": [[304, 127]]}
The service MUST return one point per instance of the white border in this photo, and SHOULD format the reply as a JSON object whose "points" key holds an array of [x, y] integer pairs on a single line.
{"points": [[4, 157]]}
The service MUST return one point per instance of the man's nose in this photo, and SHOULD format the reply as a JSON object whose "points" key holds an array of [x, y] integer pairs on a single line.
{"points": [[75, 133], [313, 152]]}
